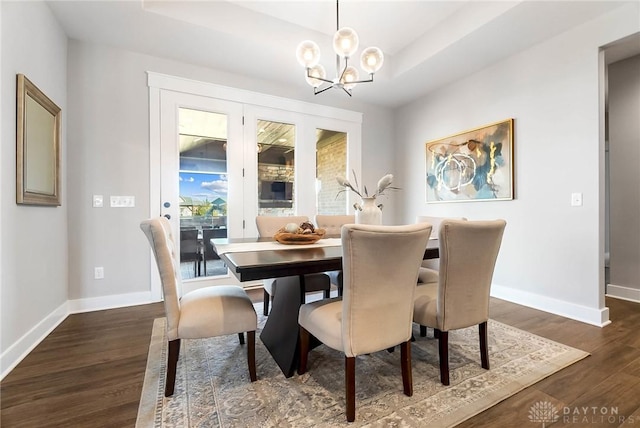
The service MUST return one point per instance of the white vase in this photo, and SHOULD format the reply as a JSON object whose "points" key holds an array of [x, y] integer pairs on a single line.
{"points": [[370, 212]]}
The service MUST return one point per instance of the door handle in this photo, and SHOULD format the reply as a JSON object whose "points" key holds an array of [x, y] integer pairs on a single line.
{"points": [[168, 216]]}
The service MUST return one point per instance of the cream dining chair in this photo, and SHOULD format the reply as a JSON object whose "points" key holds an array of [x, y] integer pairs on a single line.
{"points": [[369, 317], [205, 312], [332, 224], [269, 226], [460, 296], [435, 229]]}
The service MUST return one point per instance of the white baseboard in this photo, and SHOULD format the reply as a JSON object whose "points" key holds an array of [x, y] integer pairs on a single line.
{"points": [[624, 293], [597, 317], [21, 348], [109, 302]]}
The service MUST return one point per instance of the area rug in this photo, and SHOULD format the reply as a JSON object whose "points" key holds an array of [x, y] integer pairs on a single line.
{"points": [[213, 388]]}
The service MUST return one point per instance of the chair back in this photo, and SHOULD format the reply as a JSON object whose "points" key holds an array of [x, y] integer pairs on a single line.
{"points": [[380, 265], [189, 246], [268, 225], [468, 253], [158, 232], [435, 222], [333, 223], [207, 236]]}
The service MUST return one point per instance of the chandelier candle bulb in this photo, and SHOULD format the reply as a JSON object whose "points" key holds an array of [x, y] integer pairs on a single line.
{"points": [[308, 54], [316, 75], [371, 60], [350, 75], [345, 42]]}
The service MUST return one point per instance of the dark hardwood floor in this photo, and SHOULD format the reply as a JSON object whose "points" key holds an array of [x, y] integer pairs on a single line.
{"points": [[89, 371]]}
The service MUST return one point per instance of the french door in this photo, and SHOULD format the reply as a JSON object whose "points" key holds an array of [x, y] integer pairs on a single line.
{"points": [[220, 157], [203, 170]]}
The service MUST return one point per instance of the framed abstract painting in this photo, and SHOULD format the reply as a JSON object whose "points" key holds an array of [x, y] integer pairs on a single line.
{"points": [[474, 165]]}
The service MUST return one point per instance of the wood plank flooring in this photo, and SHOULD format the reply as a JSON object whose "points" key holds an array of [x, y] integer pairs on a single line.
{"points": [[89, 371]]}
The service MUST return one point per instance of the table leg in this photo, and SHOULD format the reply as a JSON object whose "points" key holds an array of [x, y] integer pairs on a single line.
{"points": [[280, 333]]}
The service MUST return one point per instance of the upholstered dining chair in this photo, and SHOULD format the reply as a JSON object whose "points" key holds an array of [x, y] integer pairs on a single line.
{"points": [[333, 224], [208, 253], [190, 249], [460, 297], [380, 265], [435, 229], [267, 227], [205, 312]]}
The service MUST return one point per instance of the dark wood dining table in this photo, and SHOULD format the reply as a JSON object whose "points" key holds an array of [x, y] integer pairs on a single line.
{"points": [[289, 265]]}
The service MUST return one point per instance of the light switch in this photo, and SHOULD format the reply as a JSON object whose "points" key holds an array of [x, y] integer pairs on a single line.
{"points": [[576, 199], [123, 201], [98, 201]]}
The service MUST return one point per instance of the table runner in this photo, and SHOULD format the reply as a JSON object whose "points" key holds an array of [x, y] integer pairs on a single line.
{"points": [[240, 247]]}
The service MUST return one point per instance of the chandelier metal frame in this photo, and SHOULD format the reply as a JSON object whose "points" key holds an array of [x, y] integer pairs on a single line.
{"points": [[346, 76]]}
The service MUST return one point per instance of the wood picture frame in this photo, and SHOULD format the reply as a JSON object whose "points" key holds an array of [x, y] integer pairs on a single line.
{"points": [[474, 165], [37, 146]]}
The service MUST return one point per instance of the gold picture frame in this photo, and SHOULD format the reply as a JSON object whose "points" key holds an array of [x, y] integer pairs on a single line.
{"points": [[37, 146], [474, 165]]}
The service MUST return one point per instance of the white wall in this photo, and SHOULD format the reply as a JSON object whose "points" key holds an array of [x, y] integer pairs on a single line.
{"points": [[624, 157], [34, 239], [552, 253]]}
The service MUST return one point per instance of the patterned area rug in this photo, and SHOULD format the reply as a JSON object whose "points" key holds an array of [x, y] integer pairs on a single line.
{"points": [[213, 387]]}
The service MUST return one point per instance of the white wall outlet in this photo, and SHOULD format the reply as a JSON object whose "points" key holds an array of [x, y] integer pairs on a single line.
{"points": [[576, 199], [98, 201], [98, 272]]}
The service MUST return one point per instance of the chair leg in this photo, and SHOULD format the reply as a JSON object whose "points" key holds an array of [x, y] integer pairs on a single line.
{"points": [[304, 351], [350, 386], [327, 293], [265, 305], [443, 348], [172, 364], [251, 354], [405, 358], [484, 350], [423, 331], [241, 337]]}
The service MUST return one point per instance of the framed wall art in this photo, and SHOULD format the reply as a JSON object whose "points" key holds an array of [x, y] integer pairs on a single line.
{"points": [[37, 146], [474, 165]]}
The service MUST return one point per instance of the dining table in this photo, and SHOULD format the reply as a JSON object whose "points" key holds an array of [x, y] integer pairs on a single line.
{"points": [[251, 259]]}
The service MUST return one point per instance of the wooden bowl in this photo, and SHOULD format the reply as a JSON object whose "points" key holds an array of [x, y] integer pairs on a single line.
{"points": [[299, 238]]}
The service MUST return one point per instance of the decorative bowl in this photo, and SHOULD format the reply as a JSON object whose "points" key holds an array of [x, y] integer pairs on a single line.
{"points": [[299, 238]]}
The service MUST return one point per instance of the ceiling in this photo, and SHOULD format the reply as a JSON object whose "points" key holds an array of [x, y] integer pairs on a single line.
{"points": [[427, 44]]}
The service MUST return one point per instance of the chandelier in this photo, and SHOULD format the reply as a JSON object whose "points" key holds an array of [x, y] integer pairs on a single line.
{"points": [[345, 44]]}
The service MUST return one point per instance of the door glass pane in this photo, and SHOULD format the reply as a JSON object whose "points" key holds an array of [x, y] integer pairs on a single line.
{"points": [[276, 172], [331, 162], [203, 191]]}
